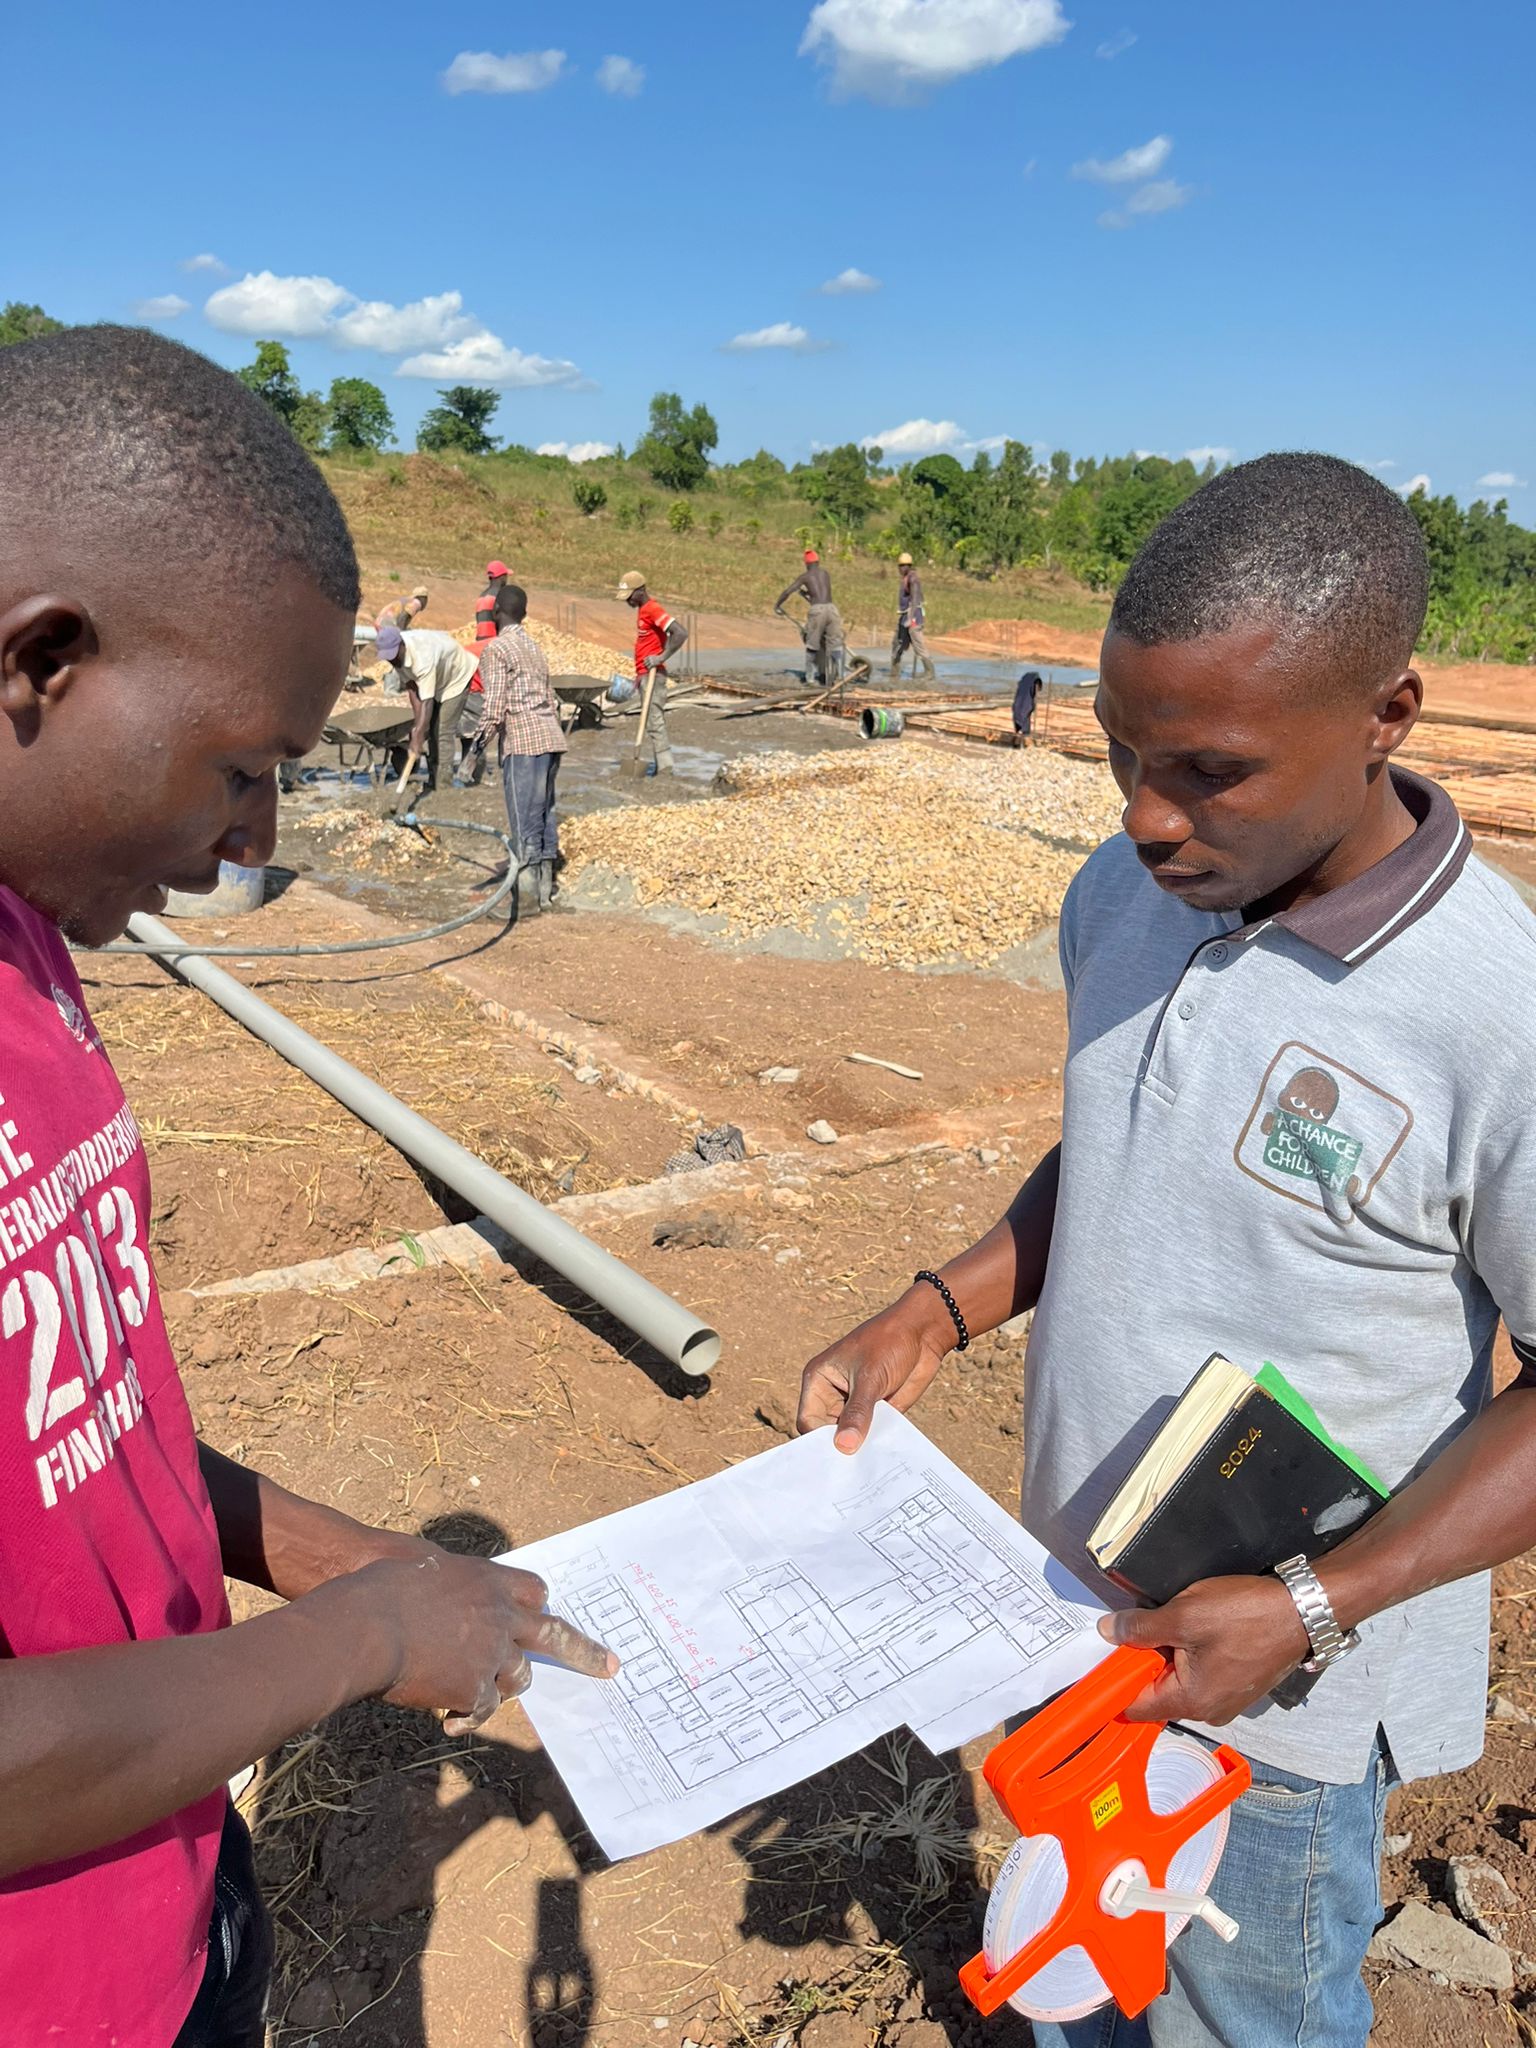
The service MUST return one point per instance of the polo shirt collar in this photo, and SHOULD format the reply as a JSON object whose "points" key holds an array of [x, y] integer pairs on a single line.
{"points": [[1354, 922]]}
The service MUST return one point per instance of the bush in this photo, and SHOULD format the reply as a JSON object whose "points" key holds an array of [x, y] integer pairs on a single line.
{"points": [[589, 495], [680, 516], [753, 529], [714, 525]]}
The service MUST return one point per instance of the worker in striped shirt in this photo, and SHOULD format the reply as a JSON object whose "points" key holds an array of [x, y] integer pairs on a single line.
{"points": [[522, 712]]}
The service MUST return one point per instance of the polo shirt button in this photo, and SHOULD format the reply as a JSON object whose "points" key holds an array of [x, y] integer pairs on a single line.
{"points": [[1186, 1009], [1216, 954]]}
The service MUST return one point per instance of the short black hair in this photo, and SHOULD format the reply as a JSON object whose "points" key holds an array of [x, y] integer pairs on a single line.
{"points": [[512, 603], [115, 429], [1309, 544]]}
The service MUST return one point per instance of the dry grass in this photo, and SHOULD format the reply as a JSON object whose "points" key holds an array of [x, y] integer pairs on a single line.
{"points": [[515, 1121]]}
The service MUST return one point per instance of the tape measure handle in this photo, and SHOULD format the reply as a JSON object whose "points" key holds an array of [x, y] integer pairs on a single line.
{"points": [[1058, 1730]]}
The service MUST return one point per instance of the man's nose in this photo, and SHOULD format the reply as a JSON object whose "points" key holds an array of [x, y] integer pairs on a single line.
{"points": [[251, 840], [1152, 820]]}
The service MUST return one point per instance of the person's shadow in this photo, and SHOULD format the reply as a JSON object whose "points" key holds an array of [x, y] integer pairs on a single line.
{"points": [[883, 1857], [352, 1823]]}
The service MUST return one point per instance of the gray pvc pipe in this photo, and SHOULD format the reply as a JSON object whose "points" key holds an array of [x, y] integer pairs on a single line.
{"points": [[665, 1324]]}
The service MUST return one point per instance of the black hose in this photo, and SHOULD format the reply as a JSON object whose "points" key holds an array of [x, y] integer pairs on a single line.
{"points": [[503, 890]]}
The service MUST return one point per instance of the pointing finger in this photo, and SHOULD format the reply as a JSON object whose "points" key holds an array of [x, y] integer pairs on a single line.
{"points": [[558, 1640]]}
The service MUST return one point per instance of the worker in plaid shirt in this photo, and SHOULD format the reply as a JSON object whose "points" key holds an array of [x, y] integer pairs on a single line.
{"points": [[520, 709]]}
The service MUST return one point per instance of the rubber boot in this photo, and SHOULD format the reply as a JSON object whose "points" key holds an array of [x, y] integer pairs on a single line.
{"points": [[664, 763], [930, 673], [546, 884], [528, 888]]}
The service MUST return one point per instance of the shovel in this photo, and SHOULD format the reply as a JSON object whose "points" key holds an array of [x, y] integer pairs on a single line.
{"points": [[636, 766]]}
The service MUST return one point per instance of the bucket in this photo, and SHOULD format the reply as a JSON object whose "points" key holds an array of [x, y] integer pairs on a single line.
{"points": [[876, 724], [620, 689], [239, 890]]}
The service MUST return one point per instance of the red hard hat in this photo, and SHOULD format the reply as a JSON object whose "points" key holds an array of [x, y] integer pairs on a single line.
{"points": [[497, 569], [811, 555]]}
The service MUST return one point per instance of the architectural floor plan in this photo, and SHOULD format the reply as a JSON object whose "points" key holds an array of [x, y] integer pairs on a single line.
{"points": [[779, 1616]]}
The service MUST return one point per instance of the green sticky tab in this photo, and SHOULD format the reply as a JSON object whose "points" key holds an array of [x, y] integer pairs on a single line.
{"points": [[1275, 1384]]}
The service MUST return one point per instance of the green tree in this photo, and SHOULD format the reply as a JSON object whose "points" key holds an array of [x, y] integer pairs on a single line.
{"points": [[676, 445], [459, 425], [680, 516], [838, 484], [359, 414], [589, 495], [272, 379], [20, 322]]}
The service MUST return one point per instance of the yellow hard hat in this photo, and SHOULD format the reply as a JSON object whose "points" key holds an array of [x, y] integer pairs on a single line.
{"points": [[903, 561]]}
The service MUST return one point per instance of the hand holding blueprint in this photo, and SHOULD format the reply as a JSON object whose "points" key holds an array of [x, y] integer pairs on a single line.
{"points": [[778, 1616]]}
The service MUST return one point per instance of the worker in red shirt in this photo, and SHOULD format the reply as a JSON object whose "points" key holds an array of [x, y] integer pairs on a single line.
{"points": [[134, 473], [471, 763], [658, 636]]}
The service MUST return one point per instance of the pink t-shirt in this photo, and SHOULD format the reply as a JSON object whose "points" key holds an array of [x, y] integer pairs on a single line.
{"points": [[106, 1535]]}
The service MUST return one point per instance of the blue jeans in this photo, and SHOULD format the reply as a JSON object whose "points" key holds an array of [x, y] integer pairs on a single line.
{"points": [[230, 2008], [528, 782], [1301, 1874]]}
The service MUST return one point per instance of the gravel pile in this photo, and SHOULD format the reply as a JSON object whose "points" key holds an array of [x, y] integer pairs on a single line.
{"points": [[912, 856]]}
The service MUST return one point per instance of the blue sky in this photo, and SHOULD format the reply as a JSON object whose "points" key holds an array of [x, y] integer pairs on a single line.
{"points": [[1096, 224]]}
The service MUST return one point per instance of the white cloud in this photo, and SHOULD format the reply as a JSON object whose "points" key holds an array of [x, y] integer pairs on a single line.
{"points": [[1144, 161], [205, 262], [479, 71], [167, 307], [484, 358], [1201, 456], [263, 303], [782, 334], [847, 283], [1161, 196], [425, 323], [1415, 483], [915, 437], [621, 76], [1501, 480], [891, 50], [1379, 466], [1116, 45], [435, 334], [576, 451]]}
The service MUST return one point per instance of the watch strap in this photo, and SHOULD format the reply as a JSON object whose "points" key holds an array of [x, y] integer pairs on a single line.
{"points": [[1327, 1640]]}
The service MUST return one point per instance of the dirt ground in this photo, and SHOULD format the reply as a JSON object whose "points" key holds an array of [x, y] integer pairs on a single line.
{"points": [[443, 1894]]}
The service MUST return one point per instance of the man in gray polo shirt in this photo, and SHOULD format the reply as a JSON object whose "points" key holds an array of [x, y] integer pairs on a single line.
{"points": [[1299, 1124]]}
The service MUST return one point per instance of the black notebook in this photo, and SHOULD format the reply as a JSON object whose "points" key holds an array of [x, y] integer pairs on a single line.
{"points": [[1240, 1476]]}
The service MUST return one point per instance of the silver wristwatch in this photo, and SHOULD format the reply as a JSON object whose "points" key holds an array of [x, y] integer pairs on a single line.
{"points": [[1328, 1640]]}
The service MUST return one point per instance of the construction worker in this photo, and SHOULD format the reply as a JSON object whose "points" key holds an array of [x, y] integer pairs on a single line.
{"points": [[471, 766], [521, 711], [658, 636], [823, 621], [909, 622], [1031, 683], [434, 672], [402, 612]]}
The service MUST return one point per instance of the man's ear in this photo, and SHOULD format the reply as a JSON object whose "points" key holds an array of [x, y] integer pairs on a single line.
{"points": [[1397, 710], [43, 641]]}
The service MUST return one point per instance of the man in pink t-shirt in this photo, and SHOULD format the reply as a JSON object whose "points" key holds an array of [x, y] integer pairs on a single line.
{"points": [[134, 758]]}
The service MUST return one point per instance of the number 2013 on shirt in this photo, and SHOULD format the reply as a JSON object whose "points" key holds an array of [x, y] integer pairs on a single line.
{"points": [[76, 1293]]}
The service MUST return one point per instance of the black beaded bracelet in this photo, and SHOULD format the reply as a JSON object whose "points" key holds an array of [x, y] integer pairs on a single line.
{"points": [[951, 1304]]}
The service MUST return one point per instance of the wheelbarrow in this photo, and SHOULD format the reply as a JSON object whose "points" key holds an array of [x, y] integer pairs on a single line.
{"points": [[580, 699], [364, 734]]}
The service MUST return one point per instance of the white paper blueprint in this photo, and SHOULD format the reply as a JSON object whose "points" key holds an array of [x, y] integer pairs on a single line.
{"points": [[776, 1617]]}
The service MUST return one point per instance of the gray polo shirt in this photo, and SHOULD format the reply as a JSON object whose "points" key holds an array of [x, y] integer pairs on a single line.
{"points": [[1311, 1140]]}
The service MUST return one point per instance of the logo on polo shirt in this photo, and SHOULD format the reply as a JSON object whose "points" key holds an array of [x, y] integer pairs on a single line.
{"points": [[1320, 1133]]}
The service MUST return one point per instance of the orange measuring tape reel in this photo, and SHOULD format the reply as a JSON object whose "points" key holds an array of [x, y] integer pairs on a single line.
{"points": [[1122, 1824]]}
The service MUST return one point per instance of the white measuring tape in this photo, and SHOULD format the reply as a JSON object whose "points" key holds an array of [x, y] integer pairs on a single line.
{"points": [[1033, 1881]]}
